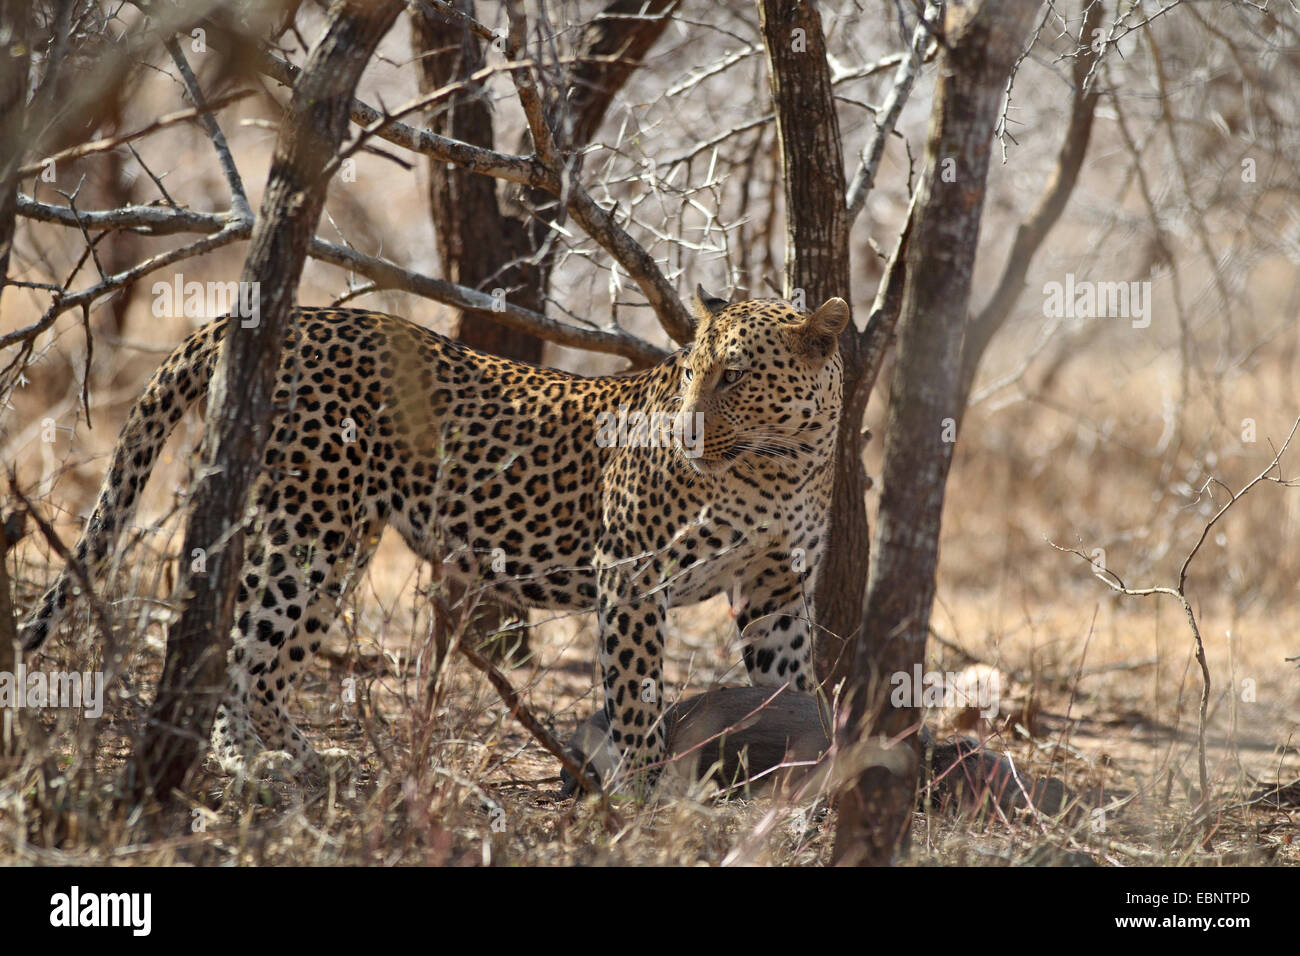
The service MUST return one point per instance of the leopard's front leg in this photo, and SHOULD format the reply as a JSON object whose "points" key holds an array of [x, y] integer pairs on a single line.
{"points": [[631, 604], [774, 616]]}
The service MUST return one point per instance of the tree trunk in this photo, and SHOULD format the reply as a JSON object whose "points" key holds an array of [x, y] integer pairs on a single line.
{"points": [[239, 399], [816, 217], [476, 242], [11, 531], [982, 40], [816, 268], [842, 586]]}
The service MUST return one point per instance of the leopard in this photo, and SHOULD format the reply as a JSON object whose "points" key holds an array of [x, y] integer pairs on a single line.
{"points": [[539, 487]]}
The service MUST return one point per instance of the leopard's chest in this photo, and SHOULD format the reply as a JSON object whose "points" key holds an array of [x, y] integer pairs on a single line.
{"points": [[714, 543]]}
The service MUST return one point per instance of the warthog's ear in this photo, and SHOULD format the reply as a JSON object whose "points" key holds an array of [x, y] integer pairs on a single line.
{"points": [[705, 306], [818, 333]]}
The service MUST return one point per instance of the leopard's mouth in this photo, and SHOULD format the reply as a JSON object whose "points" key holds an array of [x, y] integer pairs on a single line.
{"points": [[717, 464], [787, 449], [710, 466]]}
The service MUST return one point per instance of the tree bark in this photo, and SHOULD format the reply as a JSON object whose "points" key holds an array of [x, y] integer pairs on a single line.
{"points": [[11, 531], [15, 61], [816, 216], [816, 268], [476, 241], [842, 586], [239, 400], [982, 40]]}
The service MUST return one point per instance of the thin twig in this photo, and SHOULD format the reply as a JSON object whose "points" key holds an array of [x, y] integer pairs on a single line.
{"points": [[113, 142], [596, 221], [447, 11], [238, 198], [887, 117], [230, 233], [526, 719]]}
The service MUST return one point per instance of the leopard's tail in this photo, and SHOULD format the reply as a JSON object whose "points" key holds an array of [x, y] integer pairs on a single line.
{"points": [[179, 381]]}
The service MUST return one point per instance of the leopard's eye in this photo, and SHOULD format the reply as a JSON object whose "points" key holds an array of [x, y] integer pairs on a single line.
{"points": [[733, 375], [687, 375]]}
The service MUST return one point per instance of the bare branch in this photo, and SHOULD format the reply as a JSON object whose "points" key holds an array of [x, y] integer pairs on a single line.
{"points": [[878, 329], [388, 275], [1116, 583], [158, 220], [1035, 228], [113, 142], [530, 723], [238, 198], [448, 12], [526, 86], [888, 115], [1273, 465], [232, 232], [146, 220]]}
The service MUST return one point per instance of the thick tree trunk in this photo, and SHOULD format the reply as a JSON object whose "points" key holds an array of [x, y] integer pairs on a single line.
{"points": [[816, 268], [842, 580], [842, 586], [239, 400], [816, 217], [11, 530], [476, 242], [982, 40]]}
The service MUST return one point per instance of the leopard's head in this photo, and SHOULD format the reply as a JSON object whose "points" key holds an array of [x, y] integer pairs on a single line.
{"points": [[760, 385]]}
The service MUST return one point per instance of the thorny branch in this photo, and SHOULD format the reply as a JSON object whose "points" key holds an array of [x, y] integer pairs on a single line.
{"points": [[238, 198]]}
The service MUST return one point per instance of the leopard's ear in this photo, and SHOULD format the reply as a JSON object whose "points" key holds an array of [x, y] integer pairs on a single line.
{"points": [[818, 334], [705, 306]]}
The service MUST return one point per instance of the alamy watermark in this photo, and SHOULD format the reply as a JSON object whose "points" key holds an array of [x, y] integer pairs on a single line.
{"points": [[208, 300], [630, 428], [74, 909], [1085, 299], [62, 689], [922, 688]]}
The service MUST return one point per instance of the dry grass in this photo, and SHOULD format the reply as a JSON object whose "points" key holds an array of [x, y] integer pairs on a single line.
{"points": [[1104, 687]]}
